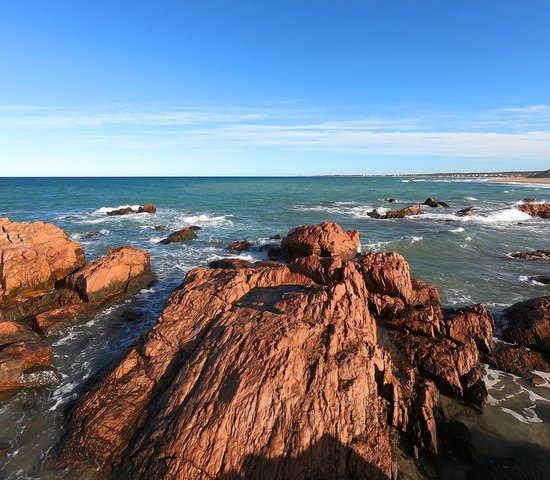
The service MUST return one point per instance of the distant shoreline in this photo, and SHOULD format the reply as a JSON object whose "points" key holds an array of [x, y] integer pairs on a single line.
{"points": [[540, 180]]}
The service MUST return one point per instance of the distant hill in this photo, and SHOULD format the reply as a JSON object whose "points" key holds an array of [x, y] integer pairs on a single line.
{"points": [[545, 174]]}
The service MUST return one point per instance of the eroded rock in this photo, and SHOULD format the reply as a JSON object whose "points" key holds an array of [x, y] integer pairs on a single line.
{"points": [[541, 210]]}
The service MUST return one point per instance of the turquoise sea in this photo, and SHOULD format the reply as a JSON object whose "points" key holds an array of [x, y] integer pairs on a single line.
{"points": [[465, 257]]}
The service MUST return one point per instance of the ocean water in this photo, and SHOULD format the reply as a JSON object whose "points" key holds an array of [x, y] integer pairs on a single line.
{"points": [[466, 258]]}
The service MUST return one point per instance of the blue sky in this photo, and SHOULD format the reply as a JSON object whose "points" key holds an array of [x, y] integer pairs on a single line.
{"points": [[256, 87]]}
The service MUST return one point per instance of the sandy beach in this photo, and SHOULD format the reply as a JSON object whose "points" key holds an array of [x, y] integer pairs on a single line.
{"points": [[544, 181]]}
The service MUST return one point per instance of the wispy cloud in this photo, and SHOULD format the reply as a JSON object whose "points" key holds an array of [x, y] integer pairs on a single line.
{"points": [[514, 132]]}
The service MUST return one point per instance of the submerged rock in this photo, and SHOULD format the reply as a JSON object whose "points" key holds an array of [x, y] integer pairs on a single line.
{"points": [[541, 210], [34, 257], [147, 208], [465, 212], [323, 240], [240, 246]]}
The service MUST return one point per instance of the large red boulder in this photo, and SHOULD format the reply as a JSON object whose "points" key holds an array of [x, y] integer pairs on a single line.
{"points": [[541, 210], [34, 256], [124, 271], [324, 240], [528, 324]]}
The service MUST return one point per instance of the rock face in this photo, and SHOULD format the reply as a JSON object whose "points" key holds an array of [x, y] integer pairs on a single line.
{"points": [[517, 360], [541, 210], [433, 203], [35, 256], [324, 240], [125, 270], [414, 209], [277, 371], [182, 235], [529, 324]]}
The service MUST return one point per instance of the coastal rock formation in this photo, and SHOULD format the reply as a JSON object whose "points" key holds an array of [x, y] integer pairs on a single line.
{"points": [[433, 203], [265, 370], [240, 246], [147, 208], [323, 240], [541, 210], [35, 256], [473, 323], [517, 360], [536, 255], [187, 233], [414, 209], [125, 270], [528, 324]]}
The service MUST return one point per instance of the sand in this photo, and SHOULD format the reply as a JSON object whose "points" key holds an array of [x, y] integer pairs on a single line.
{"points": [[544, 181]]}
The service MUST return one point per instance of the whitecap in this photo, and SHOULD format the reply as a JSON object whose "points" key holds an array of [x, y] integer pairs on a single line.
{"points": [[456, 230], [470, 198]]}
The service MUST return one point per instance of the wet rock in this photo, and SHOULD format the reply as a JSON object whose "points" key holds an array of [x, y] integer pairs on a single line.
{"points": [[391, 200], [472, 323], [305, 363], [530, 200], [180, 236], [323, 240], [422, 423], [414, 209], [275, 237], [433, 203], [121, 211], [194, 228], [541, 279], [536, 255], [517, 360], [240, 246], [91, 235], [147, 208], [23, 355], [465, 212], [161, 227], [528, 324], [541, 210], [130, 315], [124, 271], [34, 257]]}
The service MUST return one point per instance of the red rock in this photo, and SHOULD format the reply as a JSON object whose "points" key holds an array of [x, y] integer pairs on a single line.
{"points": [[161, 227], [536, 255], [386, 273], [19, 310], [244, 366], [541, 210], [148, 208], [324, 240], [34, 256], [59, 318], [517, 360], [180, 236], [422, 424], [240, 246], [124, 271], [236, 263], [414, 209], [322, 270], [473, 323], [528, 324]]}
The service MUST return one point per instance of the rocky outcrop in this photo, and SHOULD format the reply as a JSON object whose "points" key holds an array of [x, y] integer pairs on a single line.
{"points": [[528, 324], [541, 210], [147, 208], [517, 360], [324, 240], [277, 371], [34, 257], [433, 203], [124, 271], [187, 233], [535, 255], [473, 323], [414, 209], [240, 246]]}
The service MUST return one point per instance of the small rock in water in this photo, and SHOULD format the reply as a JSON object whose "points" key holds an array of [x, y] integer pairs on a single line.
{"points": [[180, 236], [240, 246], [433, 203], [536, 255], [147, 208], [465, 212], [161, 227]]}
